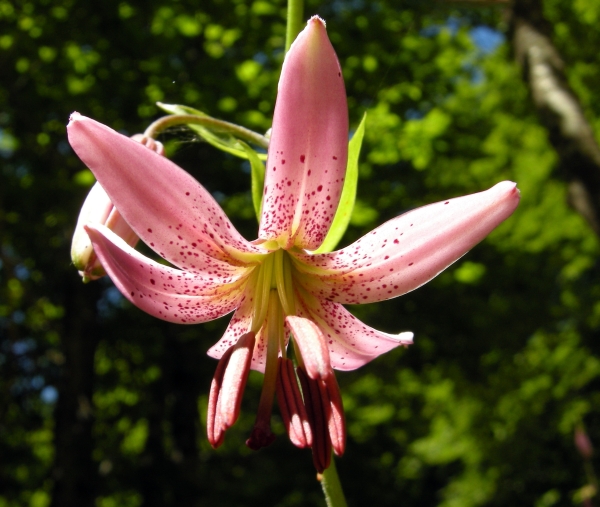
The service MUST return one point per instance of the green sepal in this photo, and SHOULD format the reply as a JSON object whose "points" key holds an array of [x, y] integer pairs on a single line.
{"points": [[257, 171], [220, 139], [344, 211]]}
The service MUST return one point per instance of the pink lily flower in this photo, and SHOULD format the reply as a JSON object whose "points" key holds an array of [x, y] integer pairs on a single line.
{"points": [[281, 293]]}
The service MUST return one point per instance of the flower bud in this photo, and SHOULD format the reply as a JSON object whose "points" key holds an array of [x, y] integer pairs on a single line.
{"points": [[99, 209]]}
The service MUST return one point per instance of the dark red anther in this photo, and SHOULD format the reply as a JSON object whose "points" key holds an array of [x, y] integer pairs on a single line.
{"points": [[321, 447], [227, 388], [291, 405]]}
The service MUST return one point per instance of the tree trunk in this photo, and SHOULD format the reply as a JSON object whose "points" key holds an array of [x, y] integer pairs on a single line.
{"points": [[559, 109]]}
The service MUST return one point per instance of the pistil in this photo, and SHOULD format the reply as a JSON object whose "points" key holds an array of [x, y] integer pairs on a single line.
{"points": [[261, 435]]}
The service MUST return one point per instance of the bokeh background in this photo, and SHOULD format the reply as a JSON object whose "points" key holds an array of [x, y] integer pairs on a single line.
{"points": [[101, 405]]}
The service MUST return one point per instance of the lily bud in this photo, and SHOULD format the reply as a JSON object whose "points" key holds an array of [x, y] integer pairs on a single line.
{"points": [[99, 209]]}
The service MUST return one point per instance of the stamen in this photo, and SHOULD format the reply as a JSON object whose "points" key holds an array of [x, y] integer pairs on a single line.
{"points": [[261, 294], [291, 405], [334, 410], [289, 283], [214, 430], [313, 347], [261, 435], [283, 279], [227, 388], [322, 397], [321, 447]]}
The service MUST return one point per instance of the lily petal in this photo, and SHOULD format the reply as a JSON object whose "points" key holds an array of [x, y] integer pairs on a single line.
{"points": [[238, 326], [408, 251], [167, 208], [351, 343], [164, 292], [309, 144]]}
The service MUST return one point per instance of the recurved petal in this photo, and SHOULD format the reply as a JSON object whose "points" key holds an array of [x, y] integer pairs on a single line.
{"points": [[167, 293], [351, 343], [407, 251], [309, 144], [167, 208]]}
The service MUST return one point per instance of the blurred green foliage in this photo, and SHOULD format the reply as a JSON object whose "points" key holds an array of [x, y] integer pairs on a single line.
{"points": [[102, 405]]}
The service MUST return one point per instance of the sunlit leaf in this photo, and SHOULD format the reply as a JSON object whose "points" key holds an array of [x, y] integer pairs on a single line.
{"points": [[257, 170]]}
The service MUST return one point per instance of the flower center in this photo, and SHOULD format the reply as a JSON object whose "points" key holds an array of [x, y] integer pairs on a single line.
{"points": [[274, 300], [274, 275]]}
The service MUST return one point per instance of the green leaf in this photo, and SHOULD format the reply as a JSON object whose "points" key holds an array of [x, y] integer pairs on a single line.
{"points": [[257, 171], [222, 140], [344, 211]]}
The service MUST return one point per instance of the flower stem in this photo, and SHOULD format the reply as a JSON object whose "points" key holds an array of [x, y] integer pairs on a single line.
{"points": [[295, 18], [332, 487], [218, 125]]}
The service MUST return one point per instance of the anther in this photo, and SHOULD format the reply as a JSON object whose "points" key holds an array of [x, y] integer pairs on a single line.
{"points": [[291, 405], [227, 388]]}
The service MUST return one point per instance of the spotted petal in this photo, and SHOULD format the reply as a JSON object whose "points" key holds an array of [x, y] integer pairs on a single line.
{"points": [[167, 208], [309, 144], [407, 251], [351, 343], [164, 292], [238, 326]]}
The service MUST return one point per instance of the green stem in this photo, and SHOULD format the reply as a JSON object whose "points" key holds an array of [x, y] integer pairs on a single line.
{"points": [[172, 120], [332, 487], [295, 20]]}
